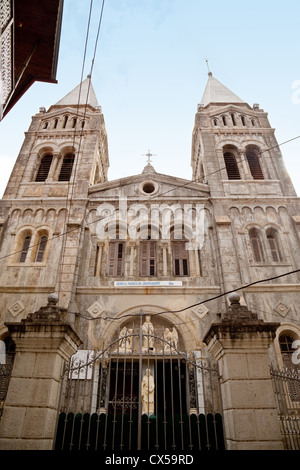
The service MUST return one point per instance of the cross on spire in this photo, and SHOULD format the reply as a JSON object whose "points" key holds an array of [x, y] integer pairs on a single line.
{"points": [[149, 155], [209, 72]]}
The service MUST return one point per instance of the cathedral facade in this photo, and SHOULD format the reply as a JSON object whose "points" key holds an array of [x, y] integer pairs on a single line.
{"points": [[153, 248]]}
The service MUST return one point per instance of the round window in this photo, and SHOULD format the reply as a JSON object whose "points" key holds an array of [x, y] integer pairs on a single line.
{"points": [[148, 188]]}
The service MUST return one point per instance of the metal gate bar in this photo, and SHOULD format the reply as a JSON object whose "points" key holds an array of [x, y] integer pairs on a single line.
{"points": [[286, 385], [116, 421]]}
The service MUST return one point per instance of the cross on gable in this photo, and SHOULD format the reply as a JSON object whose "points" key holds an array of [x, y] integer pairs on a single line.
{"points": [[149, 155]]}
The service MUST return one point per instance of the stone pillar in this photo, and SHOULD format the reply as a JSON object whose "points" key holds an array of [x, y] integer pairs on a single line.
{"points": [[43, 343], [132, 250], [99, 258], [165, 259], [240, 343]]}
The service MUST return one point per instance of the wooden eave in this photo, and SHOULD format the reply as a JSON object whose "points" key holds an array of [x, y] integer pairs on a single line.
{"points": [[36, 38]]}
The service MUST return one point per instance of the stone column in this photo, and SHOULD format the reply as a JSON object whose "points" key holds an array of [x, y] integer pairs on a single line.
{"points": [[99, 258], [43, 343], [165, 258], [244, 162], [53, 167], [240, 343], [131, 264]]}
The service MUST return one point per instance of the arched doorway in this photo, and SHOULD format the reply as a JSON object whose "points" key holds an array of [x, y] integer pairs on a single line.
{"points": [[144, 392]]}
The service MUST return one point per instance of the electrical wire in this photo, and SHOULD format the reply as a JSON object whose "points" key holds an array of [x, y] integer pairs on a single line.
{"points": [[156, 196], [245, 286], [196, 180], [70, 196]]}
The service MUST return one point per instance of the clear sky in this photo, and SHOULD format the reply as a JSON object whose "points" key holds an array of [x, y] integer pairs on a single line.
{"points": [[149, 74]]}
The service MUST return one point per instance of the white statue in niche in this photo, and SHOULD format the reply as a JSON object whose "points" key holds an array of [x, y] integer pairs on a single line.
{"points": [[125, 341], [148, 393], [167, 342], [148, 330], [129, 340], [174, 339]]}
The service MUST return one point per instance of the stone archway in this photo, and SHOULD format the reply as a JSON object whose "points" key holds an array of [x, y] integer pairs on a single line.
{"points": [[141, 391]]}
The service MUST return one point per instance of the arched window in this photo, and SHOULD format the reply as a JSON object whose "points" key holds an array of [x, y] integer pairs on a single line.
{"points": [[224, 120], [254, 164], [66, 168], [25, 249], [286, 347], [272, 237], [231, 166], [55, 123], [74, 120], [44, 168], [215, 121], [65, 122], [243, 120], [45, 125], [256, 245], [41, 249], [233, 119]]}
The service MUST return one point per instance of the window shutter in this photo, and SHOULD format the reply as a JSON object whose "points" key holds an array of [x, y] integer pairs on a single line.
{"points": [[111, 259], [41, 249], [152, 266], [44, 168], [148, 258], [115, 259], [66, 168], [256, 247], [120, 248], [274, 248], [25, 249], [144, 258], [180, 259]]}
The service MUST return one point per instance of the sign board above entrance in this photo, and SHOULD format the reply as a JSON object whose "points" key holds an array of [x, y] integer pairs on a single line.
{"points": [[148, 283]]}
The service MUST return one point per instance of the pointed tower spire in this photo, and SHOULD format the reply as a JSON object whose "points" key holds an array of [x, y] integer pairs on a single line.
{"points": [[82, 94], [215, 92]]}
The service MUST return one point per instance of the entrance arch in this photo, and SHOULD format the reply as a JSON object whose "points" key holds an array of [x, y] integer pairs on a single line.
{"points": [[161, 318], [144, 391]]}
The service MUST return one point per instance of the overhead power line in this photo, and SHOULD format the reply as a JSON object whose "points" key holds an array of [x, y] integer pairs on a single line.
{"points": [[196, 180], [156, 196], [244, 286]]}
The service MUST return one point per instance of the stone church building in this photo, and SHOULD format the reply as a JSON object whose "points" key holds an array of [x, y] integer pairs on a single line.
{"points": [[141, 312]]}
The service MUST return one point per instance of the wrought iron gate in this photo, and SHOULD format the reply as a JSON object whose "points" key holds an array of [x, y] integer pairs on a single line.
{"points": [[140, 391], [286, 385]]}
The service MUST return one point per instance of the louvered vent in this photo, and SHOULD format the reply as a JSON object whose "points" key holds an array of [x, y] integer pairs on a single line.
{"points": [[44, 168], [231, 166], [66, 168], [254, 165]]}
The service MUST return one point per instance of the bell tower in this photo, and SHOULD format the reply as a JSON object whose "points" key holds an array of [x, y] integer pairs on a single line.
{"points": [[63, 155], [65, 149], [234, 148], [235, 152]]}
